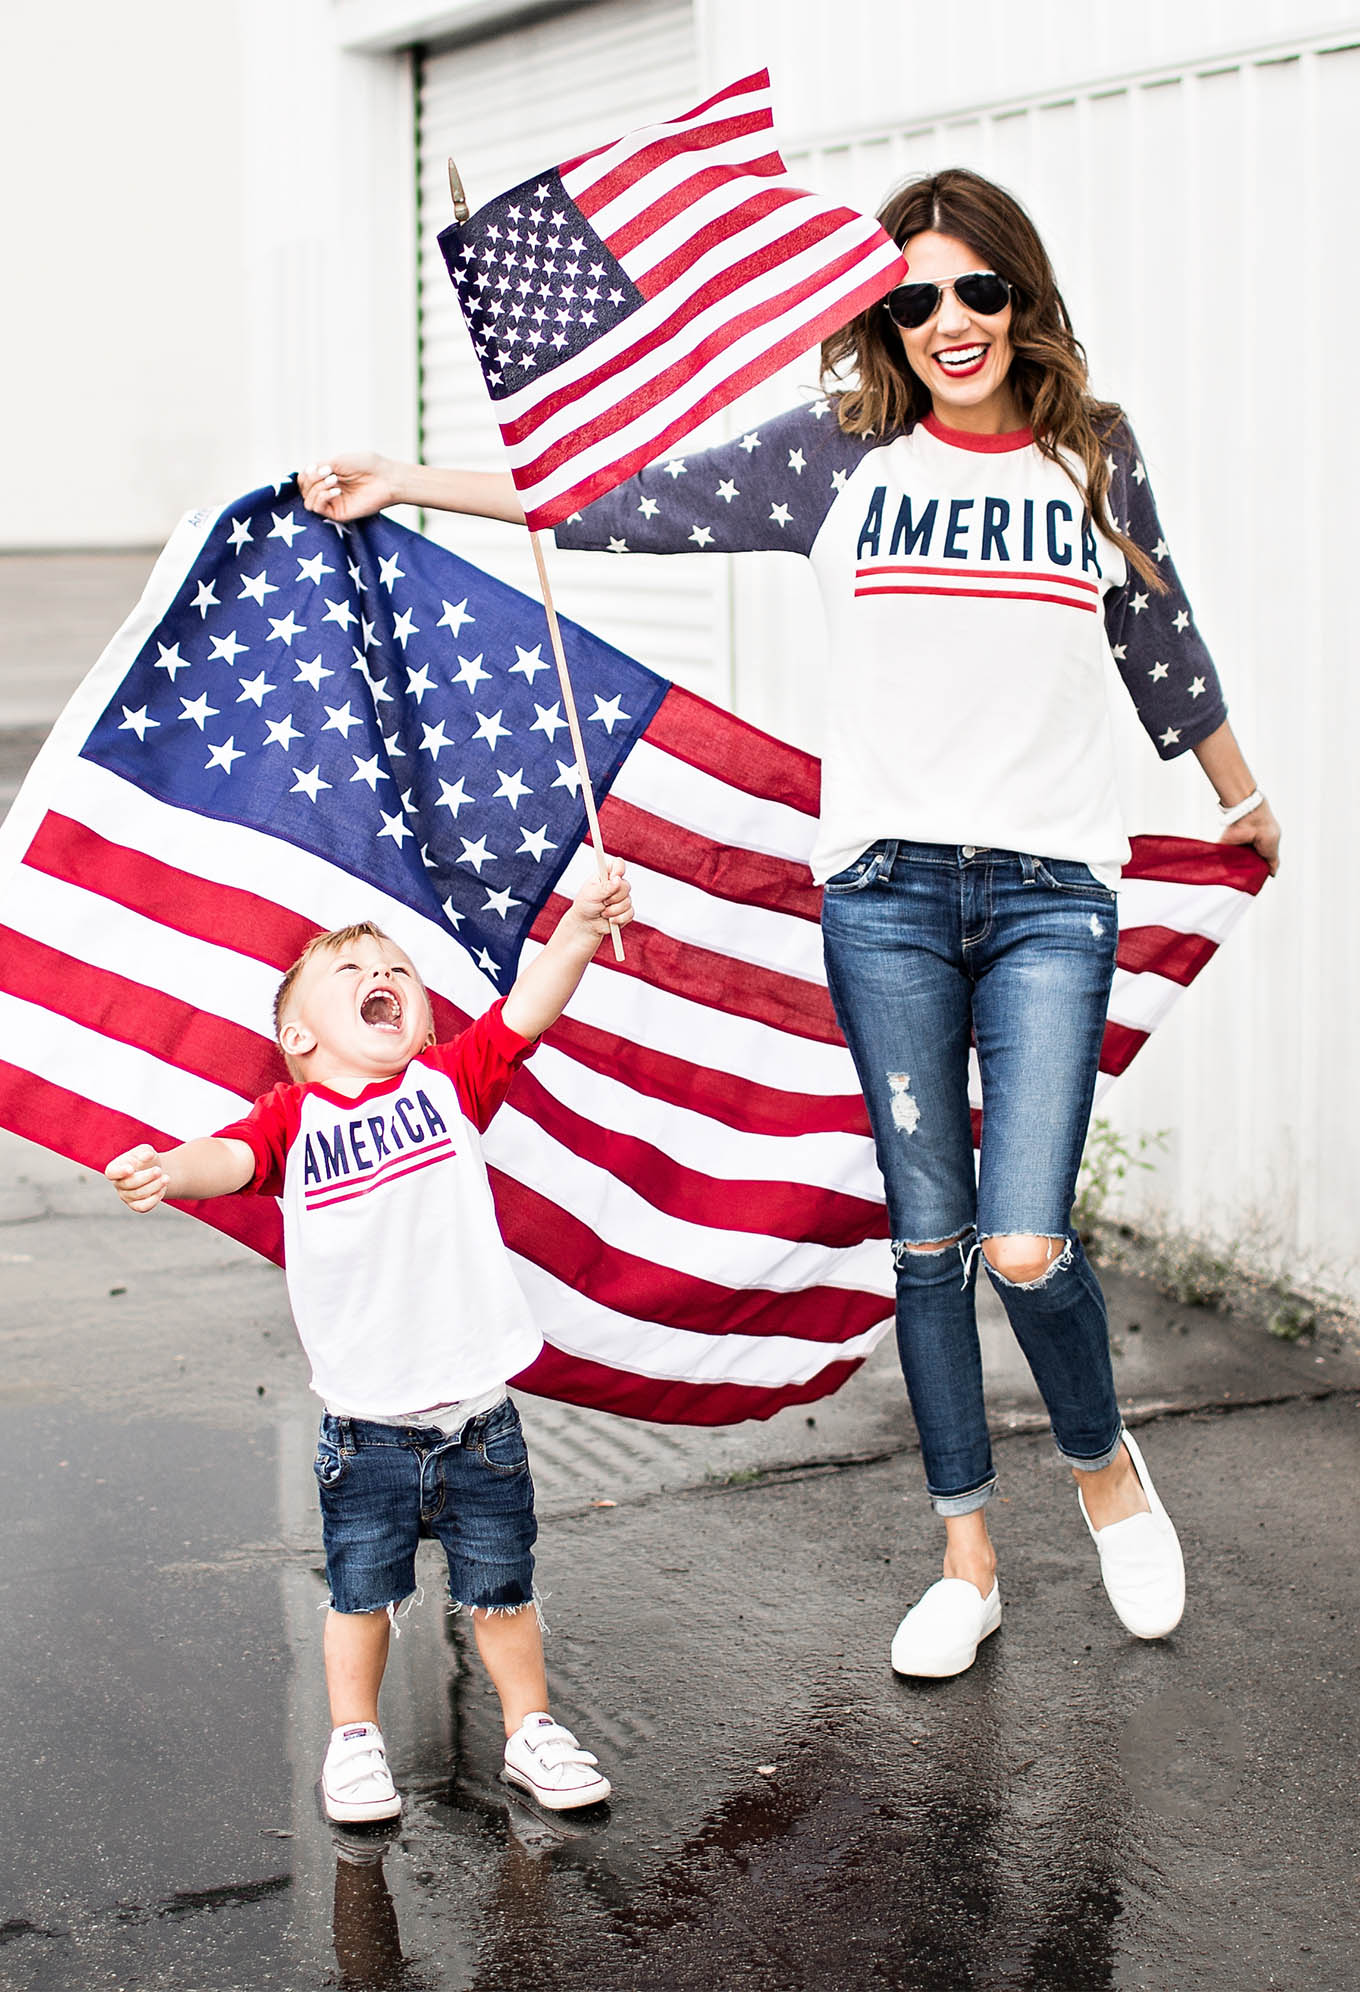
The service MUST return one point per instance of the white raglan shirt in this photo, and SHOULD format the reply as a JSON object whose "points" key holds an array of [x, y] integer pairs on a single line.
{"points": [[401, 1287], [973, 617], [989, 727]]}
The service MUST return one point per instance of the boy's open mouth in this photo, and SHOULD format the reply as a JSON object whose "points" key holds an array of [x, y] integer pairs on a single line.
{"points": [[382, 1009]]}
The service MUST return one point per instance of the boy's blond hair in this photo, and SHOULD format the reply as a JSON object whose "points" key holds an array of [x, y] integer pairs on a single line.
{"points": [[332, 943], [339, 937]]}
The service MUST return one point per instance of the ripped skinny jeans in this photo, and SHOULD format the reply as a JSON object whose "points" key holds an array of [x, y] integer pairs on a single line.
{"points": [[931, 948]]}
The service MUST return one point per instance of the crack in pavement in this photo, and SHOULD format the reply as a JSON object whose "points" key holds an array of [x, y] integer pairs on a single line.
{"points": [[1018, 1425]]}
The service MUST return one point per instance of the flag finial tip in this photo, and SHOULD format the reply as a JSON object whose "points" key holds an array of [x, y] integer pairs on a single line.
{"points": [[461, 210]]}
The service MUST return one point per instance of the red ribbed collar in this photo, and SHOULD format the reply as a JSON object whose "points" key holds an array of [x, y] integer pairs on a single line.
{"points": [[967, 439]]}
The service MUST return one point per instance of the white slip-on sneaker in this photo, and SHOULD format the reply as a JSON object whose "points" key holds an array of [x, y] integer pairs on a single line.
{"points": [[546, 1760], [941, 1633], [1140, 1562], [356, 1784]]}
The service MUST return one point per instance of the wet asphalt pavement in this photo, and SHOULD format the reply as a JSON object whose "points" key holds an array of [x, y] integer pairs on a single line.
{"points": [[1081, 1811]]}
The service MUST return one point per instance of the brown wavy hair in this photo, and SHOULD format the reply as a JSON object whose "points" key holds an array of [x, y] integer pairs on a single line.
{"points": [[1048, 375]]}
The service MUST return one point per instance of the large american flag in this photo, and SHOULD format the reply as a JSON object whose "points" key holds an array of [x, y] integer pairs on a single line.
{"points": [[302, 726], [618, 300]]}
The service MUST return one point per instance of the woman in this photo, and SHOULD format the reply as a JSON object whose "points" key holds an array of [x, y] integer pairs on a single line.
{"points": [[981, 528]]}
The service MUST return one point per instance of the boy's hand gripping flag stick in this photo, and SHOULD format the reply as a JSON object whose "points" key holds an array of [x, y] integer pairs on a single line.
{"points": [[574, 727], [461, 214]]}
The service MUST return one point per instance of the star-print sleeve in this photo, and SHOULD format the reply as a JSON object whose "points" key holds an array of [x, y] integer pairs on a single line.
{"points": [[1161, 656], [767, 492]]}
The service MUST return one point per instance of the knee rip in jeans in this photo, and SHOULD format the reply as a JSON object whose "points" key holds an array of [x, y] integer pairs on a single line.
{"points": [[1023, 1259], [906, 1249]]}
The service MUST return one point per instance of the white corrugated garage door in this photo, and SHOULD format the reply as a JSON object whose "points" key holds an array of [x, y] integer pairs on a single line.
{"points": [[506, 106]]}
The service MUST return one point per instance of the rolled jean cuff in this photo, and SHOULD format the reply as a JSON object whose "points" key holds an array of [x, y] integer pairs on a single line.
{"points": [[1107, 1458], [964, 1504]]}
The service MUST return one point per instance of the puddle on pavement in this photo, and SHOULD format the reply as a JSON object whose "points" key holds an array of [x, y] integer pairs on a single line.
{"points": [[787, 1814], [848, 1868]]}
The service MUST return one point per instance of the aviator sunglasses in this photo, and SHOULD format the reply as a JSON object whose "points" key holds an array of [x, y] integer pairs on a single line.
{"points": [[982, 291]]}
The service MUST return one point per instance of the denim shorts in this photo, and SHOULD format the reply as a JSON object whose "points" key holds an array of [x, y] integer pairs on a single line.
{"points": [[383, 1487]]}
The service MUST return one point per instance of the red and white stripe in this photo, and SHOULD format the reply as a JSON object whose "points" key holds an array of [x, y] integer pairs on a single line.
{"points": [[1003, 584], [326, 1194], [741, 272], [683, 1172]]}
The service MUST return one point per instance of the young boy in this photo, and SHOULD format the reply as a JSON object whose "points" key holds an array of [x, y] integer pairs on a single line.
{"points": [[408, 1308]]}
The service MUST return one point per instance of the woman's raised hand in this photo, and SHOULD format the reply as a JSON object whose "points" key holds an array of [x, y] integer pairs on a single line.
{"points": [[358, 484], [349, 487]]}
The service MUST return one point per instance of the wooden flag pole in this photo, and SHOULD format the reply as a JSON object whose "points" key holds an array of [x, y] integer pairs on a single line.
{"points": [[573, 727], [461, 213]]}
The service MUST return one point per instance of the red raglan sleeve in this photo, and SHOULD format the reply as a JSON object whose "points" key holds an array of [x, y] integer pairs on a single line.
{"points": [[267, 1131], [481, 1061]]}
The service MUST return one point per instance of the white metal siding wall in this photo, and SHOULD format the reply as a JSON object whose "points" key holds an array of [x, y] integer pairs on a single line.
{"points": [[1198, 216], [1199, 220], [507, 107]]}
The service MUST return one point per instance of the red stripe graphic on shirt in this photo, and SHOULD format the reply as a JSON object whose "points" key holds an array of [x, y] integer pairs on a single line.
{"points": [[966, 571], [387, 1172], [994, 594]]}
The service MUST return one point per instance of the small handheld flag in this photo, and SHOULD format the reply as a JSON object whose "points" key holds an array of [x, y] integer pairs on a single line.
{"points": [[620, 299]]}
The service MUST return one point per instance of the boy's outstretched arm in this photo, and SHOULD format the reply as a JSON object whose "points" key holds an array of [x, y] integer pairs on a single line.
{"points": [[543, 990], [207, 1167]]}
